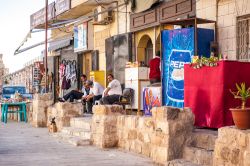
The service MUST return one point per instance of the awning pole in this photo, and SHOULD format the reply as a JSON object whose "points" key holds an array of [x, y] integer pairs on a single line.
{"points": [[46, 39]]}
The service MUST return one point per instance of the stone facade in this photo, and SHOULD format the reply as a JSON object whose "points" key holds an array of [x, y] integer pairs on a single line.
{"points": [[232, 147], [62, 113], [40, 105], [161, 137], [225, 12]]}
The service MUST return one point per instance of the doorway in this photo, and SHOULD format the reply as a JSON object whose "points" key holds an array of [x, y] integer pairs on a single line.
{"points": [[145, 50]]}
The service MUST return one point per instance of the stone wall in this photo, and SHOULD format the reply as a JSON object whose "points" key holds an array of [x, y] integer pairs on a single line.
{"points": [[225, 12], [161, 137], [40, 104], [104, 125], [63, 112], [232, 147]]}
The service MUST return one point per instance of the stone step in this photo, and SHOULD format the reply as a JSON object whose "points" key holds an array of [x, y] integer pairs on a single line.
{"points": [[198, 156], [74, 140], [79, 142], [81, 122], [78, 132], [203, 138], [180, 162]]}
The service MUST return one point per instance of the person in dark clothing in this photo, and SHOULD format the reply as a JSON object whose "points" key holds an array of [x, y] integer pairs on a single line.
{"points": [[76, 94], [154, 69]]}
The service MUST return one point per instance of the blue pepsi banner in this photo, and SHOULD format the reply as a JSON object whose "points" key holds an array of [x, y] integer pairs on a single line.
{"points": [[177, 50]]}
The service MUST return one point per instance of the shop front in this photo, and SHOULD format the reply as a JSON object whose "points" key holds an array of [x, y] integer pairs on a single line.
{"points": [[147, 27], [64, 65]]}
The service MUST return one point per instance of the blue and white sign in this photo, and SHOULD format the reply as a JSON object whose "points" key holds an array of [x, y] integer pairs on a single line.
{"points": [[80, 37], [178, 49]]}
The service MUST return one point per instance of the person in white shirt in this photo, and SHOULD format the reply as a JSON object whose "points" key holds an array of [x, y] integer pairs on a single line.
{"points": [[95, 93], [113, 92]]}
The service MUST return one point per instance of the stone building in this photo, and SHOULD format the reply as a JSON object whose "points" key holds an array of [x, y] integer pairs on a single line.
{"points": [[3, 71], [98, 21], [232, 25], [24, 76]]}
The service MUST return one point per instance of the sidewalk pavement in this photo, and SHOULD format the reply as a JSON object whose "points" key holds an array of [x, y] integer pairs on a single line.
{"points": [[23, 145]]}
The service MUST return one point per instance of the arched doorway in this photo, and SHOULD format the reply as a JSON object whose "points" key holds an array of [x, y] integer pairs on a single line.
{"points": [[145, 50]]}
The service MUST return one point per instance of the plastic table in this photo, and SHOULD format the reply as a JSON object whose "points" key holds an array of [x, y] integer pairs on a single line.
{"points": [[21, 110]]}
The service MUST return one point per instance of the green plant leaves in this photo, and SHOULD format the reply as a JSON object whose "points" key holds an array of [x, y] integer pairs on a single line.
{"points": [[242, 92]]}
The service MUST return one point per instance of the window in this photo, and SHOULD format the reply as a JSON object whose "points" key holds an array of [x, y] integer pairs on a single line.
{"points": [[243, 47]]}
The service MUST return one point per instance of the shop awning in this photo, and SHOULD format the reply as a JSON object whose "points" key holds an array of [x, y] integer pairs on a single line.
{"points": [[141, 6], [57, 44]]}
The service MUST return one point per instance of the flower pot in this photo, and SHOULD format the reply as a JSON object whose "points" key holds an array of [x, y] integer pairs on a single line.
{"points": [[241, 117]]}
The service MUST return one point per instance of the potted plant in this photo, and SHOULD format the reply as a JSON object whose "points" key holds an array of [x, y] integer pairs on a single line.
{"points": [[241, 115]]}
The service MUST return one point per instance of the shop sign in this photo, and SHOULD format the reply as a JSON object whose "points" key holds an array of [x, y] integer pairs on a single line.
{"points": [[178, 49], [80, 37], [151, 98], [38, 18], [62, 6]]}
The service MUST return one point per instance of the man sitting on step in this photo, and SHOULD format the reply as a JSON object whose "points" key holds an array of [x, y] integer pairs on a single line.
{"points": [[113, 92], [76, 94], [95, 94]]}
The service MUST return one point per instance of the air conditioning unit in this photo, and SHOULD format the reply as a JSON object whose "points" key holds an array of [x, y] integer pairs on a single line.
{"points": [[102, 15]]}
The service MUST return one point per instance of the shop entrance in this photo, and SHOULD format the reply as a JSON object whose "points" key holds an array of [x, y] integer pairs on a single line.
{"points": [[145, 50]]}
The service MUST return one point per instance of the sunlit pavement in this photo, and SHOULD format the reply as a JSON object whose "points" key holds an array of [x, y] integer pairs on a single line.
{"points": [[21, 144]]}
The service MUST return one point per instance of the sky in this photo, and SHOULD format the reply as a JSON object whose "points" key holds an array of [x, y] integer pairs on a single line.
{"points": [[15, 24]]}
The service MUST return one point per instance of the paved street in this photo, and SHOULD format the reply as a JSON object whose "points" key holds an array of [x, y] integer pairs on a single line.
{"points": [[21, 144]]}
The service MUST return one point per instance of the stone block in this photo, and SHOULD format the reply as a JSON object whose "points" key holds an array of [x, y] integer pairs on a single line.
{"points": [[132, 134], [246, 158], [146, 124], [121, 121], [232, 147], [156, 138], [108, 110], [202, 138], [131, 121], [146, 149], [198, 156], [146, 137], [45, 96], [167, 113], [162, 126], [105, 141], [159, 154], [138, 147]]}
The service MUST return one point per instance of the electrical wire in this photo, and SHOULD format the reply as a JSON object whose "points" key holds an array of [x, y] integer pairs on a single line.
{"points": [[100, 4]]}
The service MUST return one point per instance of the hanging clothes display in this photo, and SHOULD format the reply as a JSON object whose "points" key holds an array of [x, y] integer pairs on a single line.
{"points": [[68, 74], [67, 70], [73, 73]]}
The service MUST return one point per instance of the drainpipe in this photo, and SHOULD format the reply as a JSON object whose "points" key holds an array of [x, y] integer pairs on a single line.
{"points": [[126, 16], [46, 39], [217, 3], [117, 14]]}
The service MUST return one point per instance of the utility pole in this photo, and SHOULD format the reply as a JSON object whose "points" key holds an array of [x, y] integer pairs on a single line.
{"points": [[46, 42]]}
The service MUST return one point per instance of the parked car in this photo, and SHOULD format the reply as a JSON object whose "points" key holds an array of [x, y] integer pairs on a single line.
{"points": [[9, 91]]}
